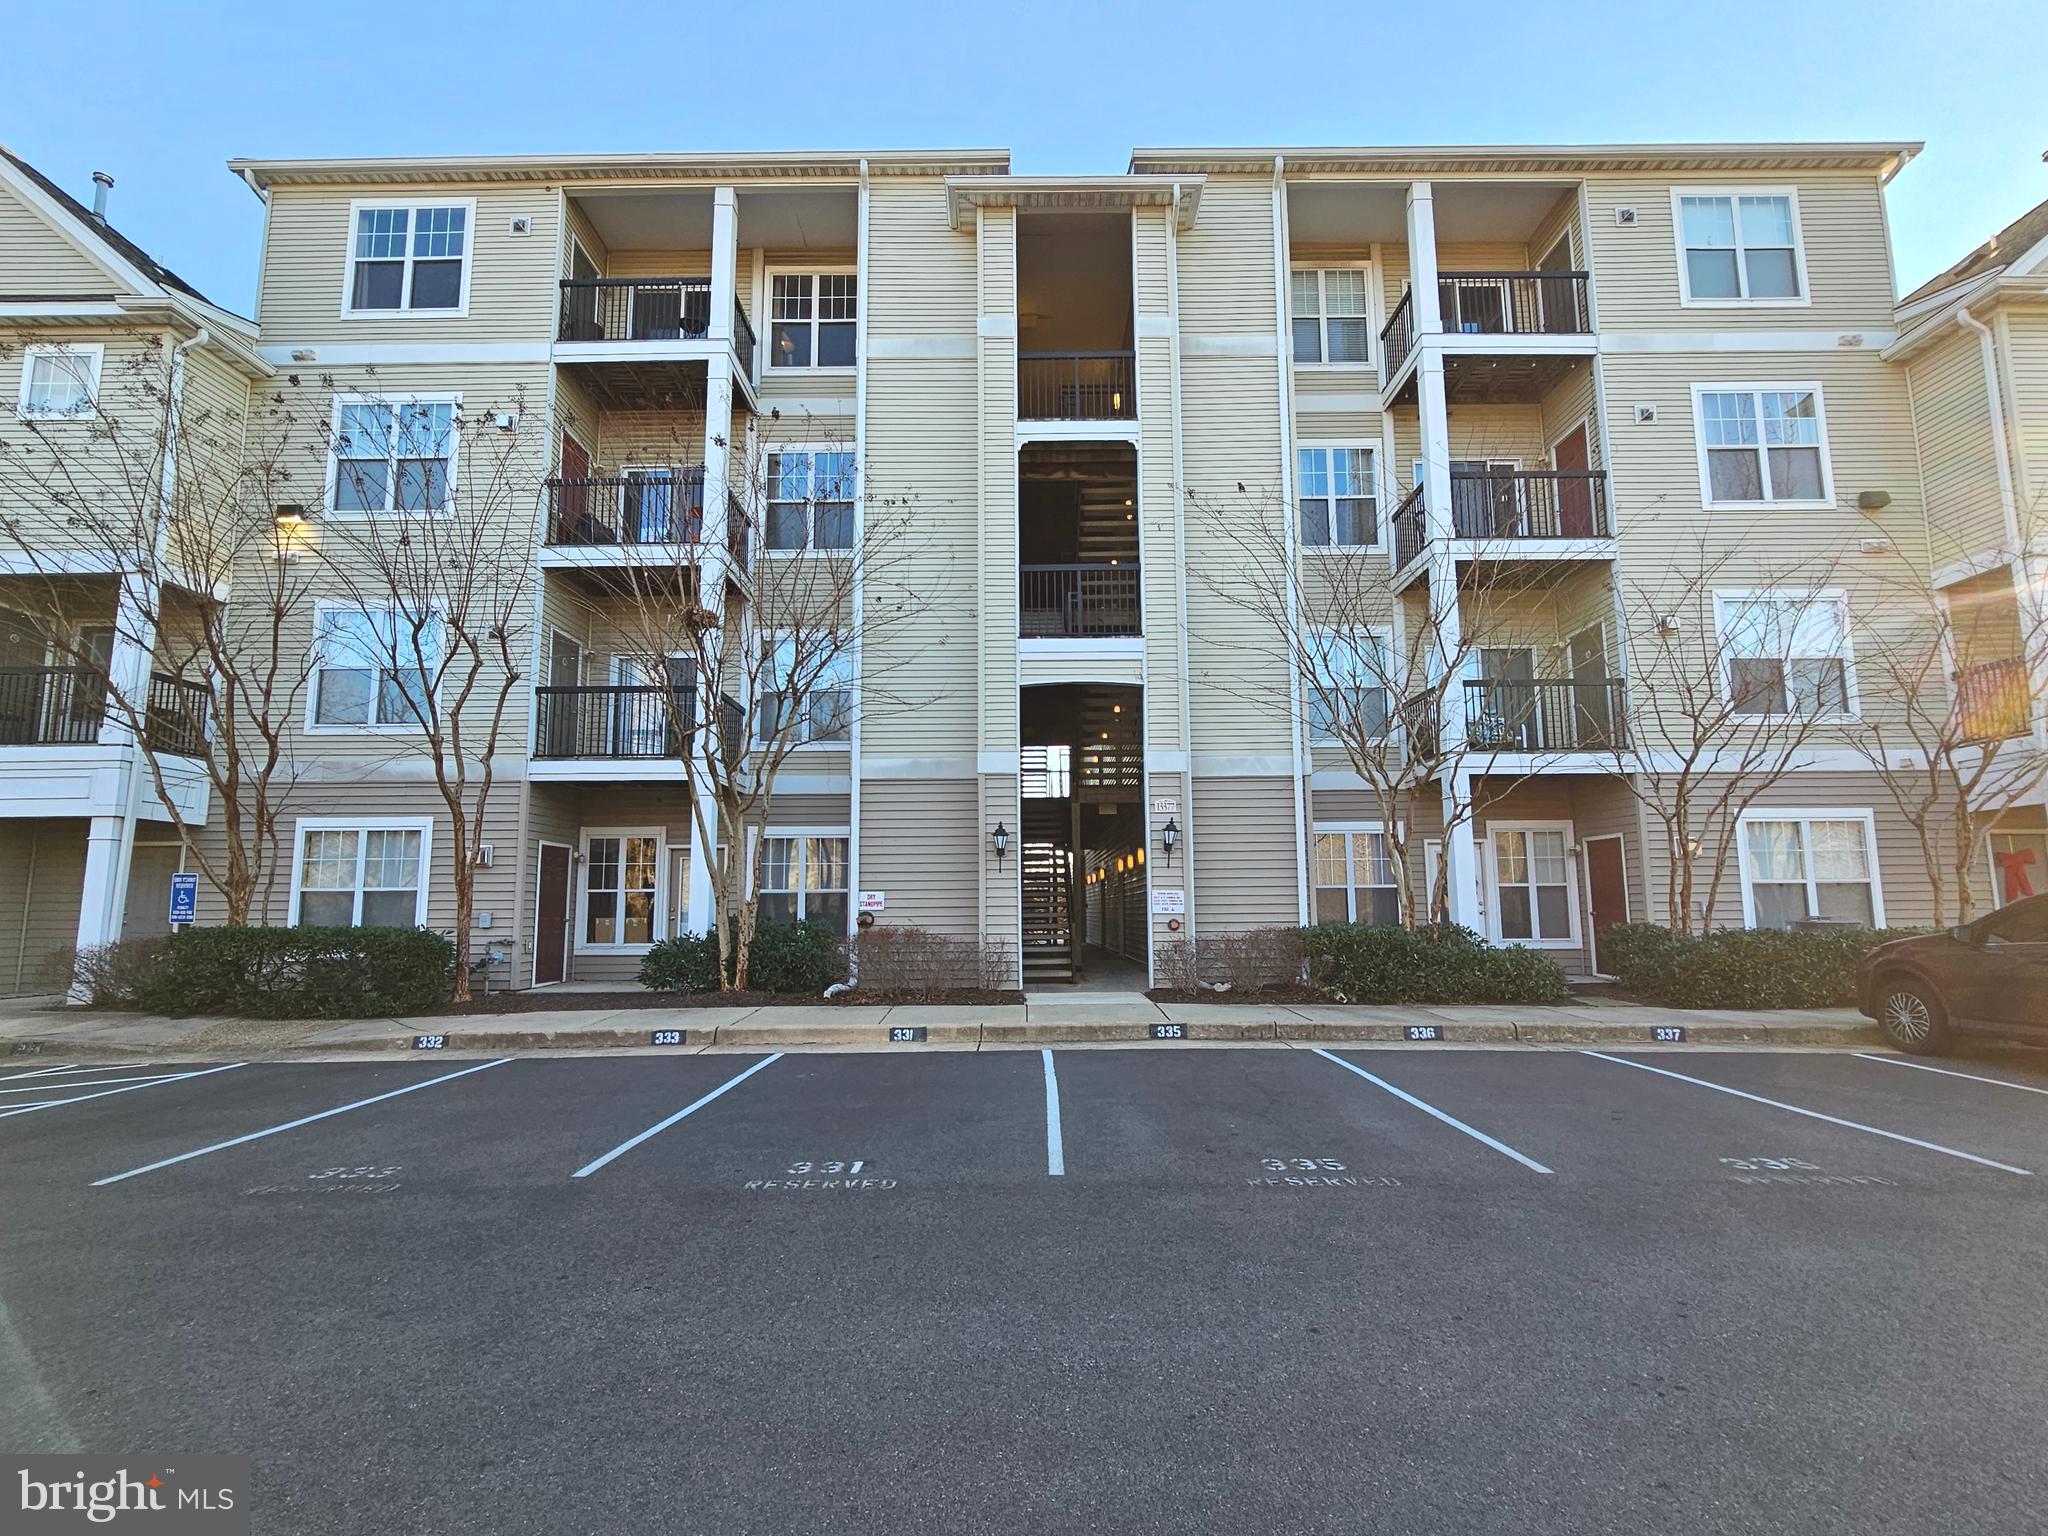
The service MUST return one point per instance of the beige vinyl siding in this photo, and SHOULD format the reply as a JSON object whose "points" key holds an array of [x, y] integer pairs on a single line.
{"points": [[1245, 874], [921, 845], [585, 234], [627, 804], [1002, 910], [996, 602], [1635, 267], [1958, 454], [1552, 798], [2023, 332], [36, 262], [511, 277], [1159, 504], [42, 879], [1562, 219]]}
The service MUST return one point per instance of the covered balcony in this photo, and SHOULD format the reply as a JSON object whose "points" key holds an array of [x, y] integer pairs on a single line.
{"points": [[1076, 356], [1077, 540], [611, 722], [1510, 514]]}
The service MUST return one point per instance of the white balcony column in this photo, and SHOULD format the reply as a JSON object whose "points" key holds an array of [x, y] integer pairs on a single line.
{"points": [[1428, 306], [130, 660], [107, 846], [1433, 418], [719, 458], [703, 908], [725, 261], [1461, 852]]}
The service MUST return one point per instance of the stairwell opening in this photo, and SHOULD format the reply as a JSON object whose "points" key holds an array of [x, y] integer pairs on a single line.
{"points": [[1084, 920]]}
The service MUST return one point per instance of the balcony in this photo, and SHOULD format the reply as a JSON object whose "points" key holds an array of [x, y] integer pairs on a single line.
{"points": [[65, 706], [1507, 338], [1077, 602], [1077, 386], [1567, 715], [639, 324], [1994, 701], [615, 723], [1506, 514], [1514, 303], [653, 506]]}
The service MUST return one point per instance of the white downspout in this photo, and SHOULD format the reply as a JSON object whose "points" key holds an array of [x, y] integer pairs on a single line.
{"points": [[2008, 499]]}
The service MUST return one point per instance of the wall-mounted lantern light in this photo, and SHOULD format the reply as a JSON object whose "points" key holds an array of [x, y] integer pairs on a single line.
{"points": [[1169, 835], [1000, 841], [289, 515]]}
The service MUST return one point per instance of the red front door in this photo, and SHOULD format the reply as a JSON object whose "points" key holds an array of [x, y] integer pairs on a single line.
{"points": [[574, 500], [1607, 883], [551, 920], [1574, 495]]}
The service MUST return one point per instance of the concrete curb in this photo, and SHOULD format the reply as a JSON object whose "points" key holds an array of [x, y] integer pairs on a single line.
{"points": [[785, 1036]]}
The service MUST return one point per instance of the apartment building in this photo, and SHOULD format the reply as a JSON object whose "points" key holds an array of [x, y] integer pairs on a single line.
{"points": [[1533, 393]]}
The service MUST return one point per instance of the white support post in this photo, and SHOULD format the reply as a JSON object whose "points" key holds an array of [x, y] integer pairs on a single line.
{"points": [[725, 261], [1427, 303], [1461, 855], [110, 844], [718, 459], [103, 896]]}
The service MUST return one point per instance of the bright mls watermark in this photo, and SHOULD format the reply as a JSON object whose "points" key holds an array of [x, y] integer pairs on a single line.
{"points": [[172, 1495]]}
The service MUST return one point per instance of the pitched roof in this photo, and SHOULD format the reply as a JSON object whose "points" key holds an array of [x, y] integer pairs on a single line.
{"points": [[2002, 249], [127, 249]]}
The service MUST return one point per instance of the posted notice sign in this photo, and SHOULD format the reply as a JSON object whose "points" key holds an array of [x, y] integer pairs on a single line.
{"points": [[1169, 903], [873, 901], [185, 898]]}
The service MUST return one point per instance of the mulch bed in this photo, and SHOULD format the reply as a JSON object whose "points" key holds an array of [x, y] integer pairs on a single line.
{"points": [[546, 1000], [1263, 995]]}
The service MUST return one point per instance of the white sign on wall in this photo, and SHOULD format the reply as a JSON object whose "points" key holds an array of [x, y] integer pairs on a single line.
{"points": [[1169, 903], [873, 901], [1165, 806]]}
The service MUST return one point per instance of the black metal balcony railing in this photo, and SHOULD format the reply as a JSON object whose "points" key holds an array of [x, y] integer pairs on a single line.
{"points": [[1994, 701], [1568, 715], [742, 339], [1514, 303], [51, 706], [635, 308], [619, 721], [664, 506], [1397, 338], [1072, 601], [1077, 386], [177, 719], [739, 537], [1409, 533], [1418, 715], [1529, 504]]}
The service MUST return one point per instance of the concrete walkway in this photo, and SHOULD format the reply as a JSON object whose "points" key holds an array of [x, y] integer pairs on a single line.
{"points": [[44, 1027]]}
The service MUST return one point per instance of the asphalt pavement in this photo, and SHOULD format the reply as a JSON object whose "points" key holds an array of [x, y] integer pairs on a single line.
{"points": [[1166, 1289]]}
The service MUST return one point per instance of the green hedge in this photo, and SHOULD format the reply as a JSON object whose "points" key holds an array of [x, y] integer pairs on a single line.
{"points": [[275, 973], [1739, 967], [1443, 964], [786, 957]]}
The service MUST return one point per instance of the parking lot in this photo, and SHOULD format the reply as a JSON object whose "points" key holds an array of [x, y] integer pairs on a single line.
{"points": [[1168, 1288]]}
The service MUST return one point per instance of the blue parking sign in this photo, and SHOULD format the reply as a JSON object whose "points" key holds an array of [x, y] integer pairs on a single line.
{"points": [[184, 898]]}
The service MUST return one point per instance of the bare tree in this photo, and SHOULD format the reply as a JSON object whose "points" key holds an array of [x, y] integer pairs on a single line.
{"points": [[150, 523], [431, 542]]}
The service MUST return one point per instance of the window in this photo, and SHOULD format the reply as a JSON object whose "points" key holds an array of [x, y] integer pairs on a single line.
{"points": [[1800, 864], [392, 455], [2019, 865], [1338, 498], [409, 258], [1787, 652], [361, 874], [811, 319], [1331, 314], [1355, 879], [1762, 445], [374, 669], [1344, 692], [59, 383], [621, 878], [803, 876], [824, 690], [1739, 247], [810, 500], [1532, 885]]}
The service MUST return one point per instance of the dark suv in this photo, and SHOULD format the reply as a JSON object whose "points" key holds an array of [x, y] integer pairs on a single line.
{"points": [[1989, 976]]}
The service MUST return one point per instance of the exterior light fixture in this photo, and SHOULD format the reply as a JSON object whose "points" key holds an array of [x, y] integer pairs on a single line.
{"points": [[289, 515], [1169, 835], [1000, 841], [1137, 858]]}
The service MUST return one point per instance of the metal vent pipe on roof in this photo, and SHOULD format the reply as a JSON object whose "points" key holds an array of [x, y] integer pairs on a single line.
{"points": [[102, 183]]}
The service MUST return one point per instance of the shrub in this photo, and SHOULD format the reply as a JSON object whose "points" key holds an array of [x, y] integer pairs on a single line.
{"points": [[1440, 964], [908, 961], [686, 963], [275, 973], [1173, 966], [1640, 955], [1744, 967], [1252, 960], [785, 957]]}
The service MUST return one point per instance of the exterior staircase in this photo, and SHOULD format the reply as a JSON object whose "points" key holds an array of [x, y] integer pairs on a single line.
{"points": [[1050, 943]]}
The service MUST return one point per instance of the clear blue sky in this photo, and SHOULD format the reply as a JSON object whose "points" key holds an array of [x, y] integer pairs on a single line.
{"points": [[161, 96]]}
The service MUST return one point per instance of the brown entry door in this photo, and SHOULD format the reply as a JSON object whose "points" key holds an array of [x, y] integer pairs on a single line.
{"points": [[1570, 458], [1608, 884], [551, 923]]}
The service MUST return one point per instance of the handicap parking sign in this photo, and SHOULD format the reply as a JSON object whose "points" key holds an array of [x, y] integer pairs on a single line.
{"points": [[184, 898]]}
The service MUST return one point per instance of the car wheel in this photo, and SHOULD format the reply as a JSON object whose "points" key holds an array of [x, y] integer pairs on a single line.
{"points": [[1911, 1016]]}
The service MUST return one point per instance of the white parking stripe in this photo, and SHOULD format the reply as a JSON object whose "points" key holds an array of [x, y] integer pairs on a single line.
{"points": [[1921, 1066], [1055, 1143], [292, 1125], [105, 1093], [1430, 1109], [39, 1072], [655, 1130], [66, 1084], [1812, 1114]]}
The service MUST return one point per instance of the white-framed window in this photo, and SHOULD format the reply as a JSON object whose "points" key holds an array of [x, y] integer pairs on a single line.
{"points": [[1345, 693], [373, 669], [810, 500], [392, 455], [827, 705], [2019, 864], [812, 318], [357, 872], [1355, 880], [1330, 310], [1809, 863], [411, 257], [1739, 246], [1534, 898], [60, 381], [804, 875], [1762, 445], [1787, 652], [1337, 496], [620, 893]]}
